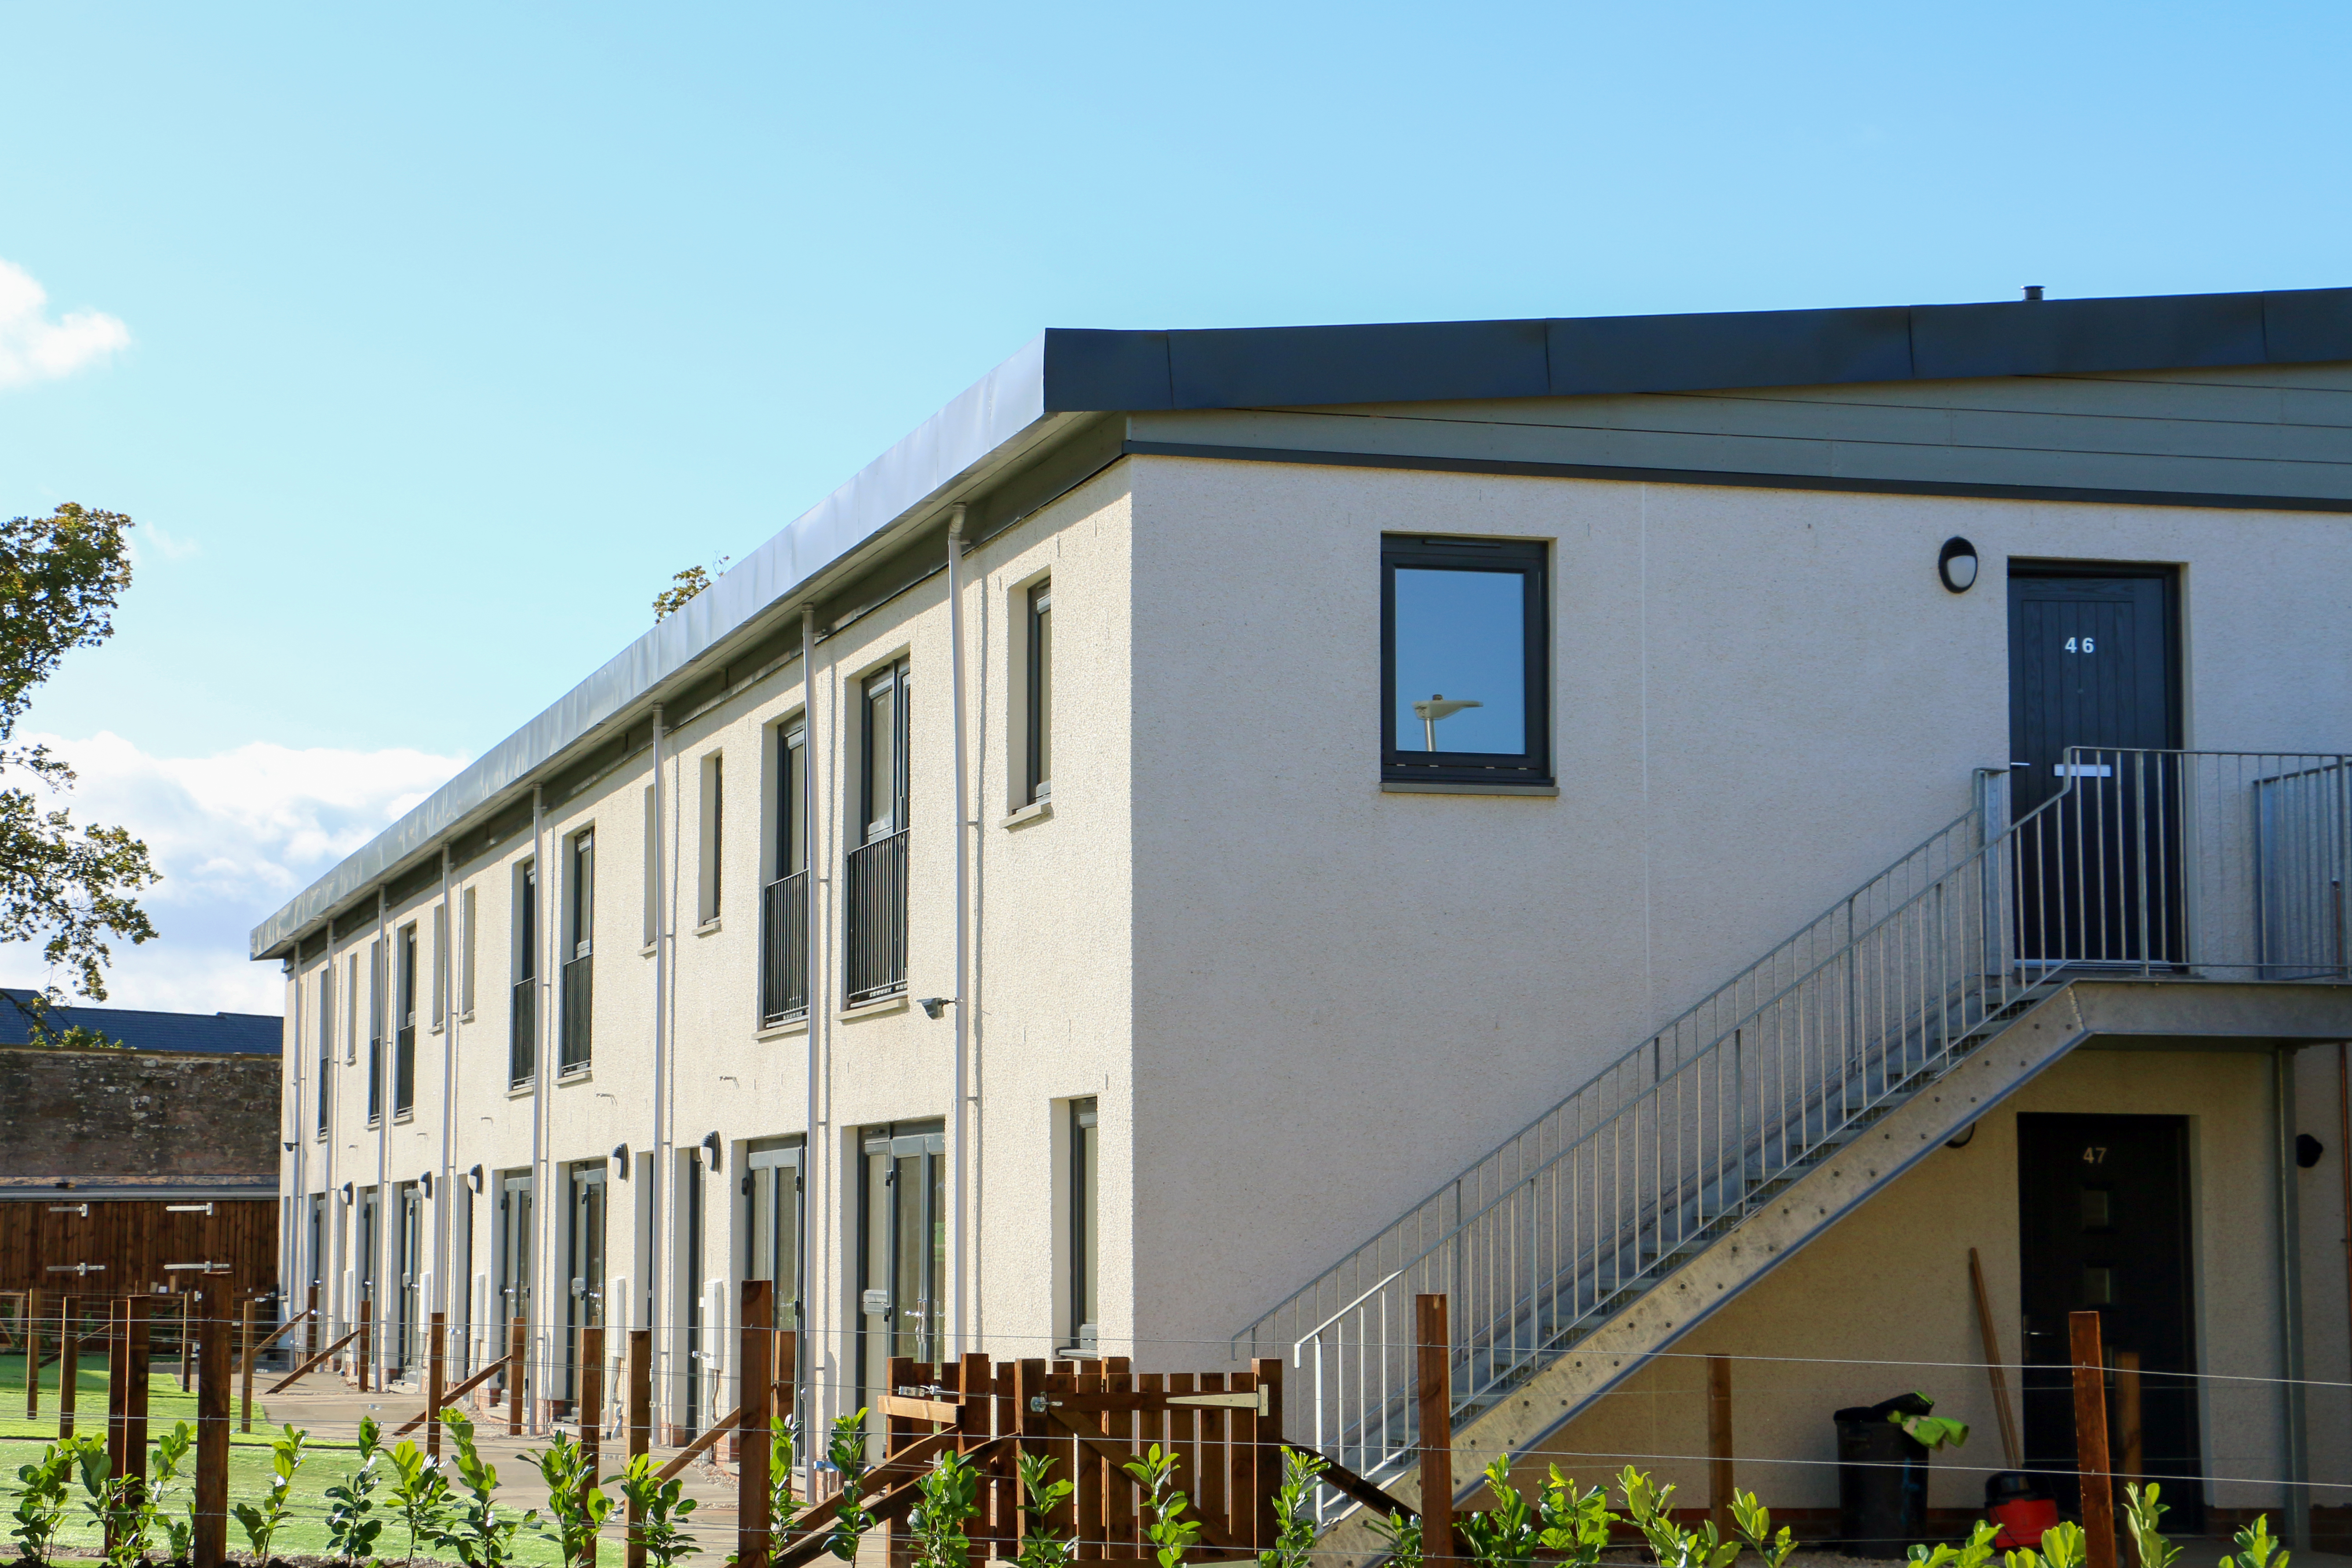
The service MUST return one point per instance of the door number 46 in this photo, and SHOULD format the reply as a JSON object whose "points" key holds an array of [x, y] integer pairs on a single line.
{"points": [[2081, 645]]}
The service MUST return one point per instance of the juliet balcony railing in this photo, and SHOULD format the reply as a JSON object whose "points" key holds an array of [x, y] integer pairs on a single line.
{"points": [[2155, 865], [403, 1071], [874, 920], [522, 1019], [783, 948], [572, 1048]]}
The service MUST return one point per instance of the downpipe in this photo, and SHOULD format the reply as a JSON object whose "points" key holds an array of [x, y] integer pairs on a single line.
{"points": [[961, 1152]]}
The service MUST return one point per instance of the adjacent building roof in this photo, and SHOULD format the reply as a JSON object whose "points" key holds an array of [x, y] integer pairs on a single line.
{"points": [[205, 1033], [1063, 375]]}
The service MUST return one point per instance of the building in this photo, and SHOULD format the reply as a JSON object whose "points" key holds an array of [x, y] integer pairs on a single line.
{"points": [[1120, 874], [146, 1168]]}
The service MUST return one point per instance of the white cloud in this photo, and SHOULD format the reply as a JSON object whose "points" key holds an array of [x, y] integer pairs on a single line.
{"points": [[236, 836], [170, 546], [34, 347]]}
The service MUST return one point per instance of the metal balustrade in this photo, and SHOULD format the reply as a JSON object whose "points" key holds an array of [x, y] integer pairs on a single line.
{"points": [[573, 1038], [874, 920], [783, 948], [2163, 865], [522, 1017]]}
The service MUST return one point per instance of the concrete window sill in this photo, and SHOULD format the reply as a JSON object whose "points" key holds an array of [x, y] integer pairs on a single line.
{"points": [[710, 927], [1035, 811], [577, 1075], [1435, 786], [789, 1027], [520, 1090], [874, 1009]]}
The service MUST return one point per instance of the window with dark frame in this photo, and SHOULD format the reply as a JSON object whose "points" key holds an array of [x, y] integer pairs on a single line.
{"points": [[714, 836], [404, 1050], [522, 1046], [784, 917], [874, 946], [326, 1040], [378, 1006], [576, 972], [1464, 662], [882, 773], [1040, 716], [1084, 1209]]}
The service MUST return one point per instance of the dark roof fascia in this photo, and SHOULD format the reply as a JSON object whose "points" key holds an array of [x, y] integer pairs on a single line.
{"points": [[1431, 361]]}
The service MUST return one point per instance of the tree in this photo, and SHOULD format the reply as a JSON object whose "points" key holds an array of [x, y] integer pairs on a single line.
{"points": [[685, 586], [71, 888]]}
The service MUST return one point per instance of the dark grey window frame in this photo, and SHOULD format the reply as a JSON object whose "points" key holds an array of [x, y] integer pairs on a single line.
{"points": [[1039, 695], [1531, 559]]}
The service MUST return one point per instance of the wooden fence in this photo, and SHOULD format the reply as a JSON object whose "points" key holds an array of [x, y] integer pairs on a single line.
{"points": [[117, 1246]]}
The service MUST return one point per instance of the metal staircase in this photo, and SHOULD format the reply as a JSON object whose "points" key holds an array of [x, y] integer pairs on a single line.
{"points": [[1664, 1185]]}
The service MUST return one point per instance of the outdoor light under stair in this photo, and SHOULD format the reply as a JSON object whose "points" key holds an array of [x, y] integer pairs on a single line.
{"points": [[1439, 706]]}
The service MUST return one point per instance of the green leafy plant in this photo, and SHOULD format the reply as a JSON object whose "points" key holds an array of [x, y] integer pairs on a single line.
{"points": [[1294, 1520], [1402, 1533], [164, 1462], [783, 1507], [2143, 1522], [1575, 1522], [847, 1450], [947, 1495], [2063, 1546], [472, 1529], [1042, 1546], [576, 1508], [1670, 1544], [2256, 1549], [1169, 1533], [1754, 1522], [1506, 1534], [1974, 1553], [41, 1500], [419, 1495], [261, 1521], [353, 1523], [660, 1509], [111, 1502]]}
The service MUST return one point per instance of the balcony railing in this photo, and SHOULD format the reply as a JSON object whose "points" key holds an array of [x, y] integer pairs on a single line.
{"points": [[404, 1071], [783, 948], [875, 910], [521, 1039], [572, 1052]]}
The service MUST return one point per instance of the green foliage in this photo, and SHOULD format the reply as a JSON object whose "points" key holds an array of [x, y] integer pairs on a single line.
{"points": [[1975, 1552], [783, 1507], [683, 587], [946, 1497], [2255, 1547], [419, 1495], [41, 1500], [576, 1508], [60, 578], [1169, 1533], [847, 1450], [1294, 1519], [1042, 1546], [2063, 1546], [1506, 1534], [261, 1521], [2143, 1522], [1575, 1523], [170, 1453], [1402, 1533], [471, 1529], [1670, 1544], [353, 1523], [112, 1504], [1754, 1522], [659, 1507]]}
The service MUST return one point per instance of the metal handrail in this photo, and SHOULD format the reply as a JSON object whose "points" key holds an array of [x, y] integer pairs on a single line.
{"points": [[783, 948], [2173, 864], [875, 923]]}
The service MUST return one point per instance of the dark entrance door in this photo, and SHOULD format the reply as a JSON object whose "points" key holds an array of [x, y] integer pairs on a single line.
{"points": [[2093, 661], [2103, 1225]]}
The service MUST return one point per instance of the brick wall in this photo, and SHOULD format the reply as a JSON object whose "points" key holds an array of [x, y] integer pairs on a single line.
{"points": [[122, 1113]]}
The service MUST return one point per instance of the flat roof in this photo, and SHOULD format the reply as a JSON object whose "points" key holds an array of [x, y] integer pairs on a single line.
{"points": [[1064, 373]]}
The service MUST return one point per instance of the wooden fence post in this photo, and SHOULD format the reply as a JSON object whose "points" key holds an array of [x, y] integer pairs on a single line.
{"points": [[756, 1367], [245, 1360], [310, 1333], [209, 1547], [117, 1382], [69, 1364], [641, 1428], [592, 1415], [134, 1393], [2091, 1440], [1433, 1396], [187, 1345], [517, 1339], [1720, 1482], [32, 1355], [436, 1370]]}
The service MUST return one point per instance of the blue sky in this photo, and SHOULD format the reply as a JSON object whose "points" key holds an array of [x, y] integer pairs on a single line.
{"points": [[453, 331]]}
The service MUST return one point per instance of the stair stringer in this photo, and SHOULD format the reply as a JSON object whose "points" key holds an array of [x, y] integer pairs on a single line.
{"points": [[1562, 1390]]}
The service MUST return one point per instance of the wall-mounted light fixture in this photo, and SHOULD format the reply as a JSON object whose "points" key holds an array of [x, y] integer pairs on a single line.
{"points": [[621, 1161], [711, 1147], [475, 1177], [933, 1006], [425, 1184], [1956, 563], [347, 1191], [2308, 1150]]}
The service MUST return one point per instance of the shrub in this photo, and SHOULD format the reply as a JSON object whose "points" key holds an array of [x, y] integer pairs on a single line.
{"points": [[1294, 1530], [576, 1508], [847, 1450], [948, 1496], [471, 1530], [659, 1507], [351, 1523], [1169, 1533], [1042, 1546], [41, 1502], [420, 1494], [262, 1521]]}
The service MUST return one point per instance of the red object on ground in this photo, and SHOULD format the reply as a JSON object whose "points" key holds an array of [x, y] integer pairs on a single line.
{"points": [[2021, 1522]]}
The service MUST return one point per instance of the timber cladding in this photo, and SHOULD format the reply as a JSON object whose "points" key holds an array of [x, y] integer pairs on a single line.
{"points": [[62, 1245], [96, 1114]]}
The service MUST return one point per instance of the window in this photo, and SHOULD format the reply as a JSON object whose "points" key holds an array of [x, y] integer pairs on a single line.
{"points": [[378, 1004], [1084, 1206], [771, 1206], [874, 949], [882, 753], [653, 868], [783, 904], [440, 964], [514, 1244], [1039, 722], [902, 1251], [467, 945], [522, 1037], [1464, 673], [352, 1010], [578, 990], [714, 839], [326, 1040], [403, 1051]]}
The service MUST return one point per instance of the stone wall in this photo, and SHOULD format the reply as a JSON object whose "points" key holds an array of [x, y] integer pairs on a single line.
{"points": [[124, 1113]]}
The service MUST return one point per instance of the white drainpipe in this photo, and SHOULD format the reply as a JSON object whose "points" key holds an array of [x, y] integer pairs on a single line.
{"points": [[655, 1310], [544, 1005], [961, 1153], [379, 979], [813, 905], [445, 984]]}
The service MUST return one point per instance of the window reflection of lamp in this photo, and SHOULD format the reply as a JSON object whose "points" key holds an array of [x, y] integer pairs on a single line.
{"points": [[1439, 706]]}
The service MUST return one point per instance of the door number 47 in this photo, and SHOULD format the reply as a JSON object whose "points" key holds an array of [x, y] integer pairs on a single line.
{"points": [[2081, 645], [2095, 1155]]}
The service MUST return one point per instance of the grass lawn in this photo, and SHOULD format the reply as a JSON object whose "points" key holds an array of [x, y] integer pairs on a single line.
{"points": [[324, 1465]]}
